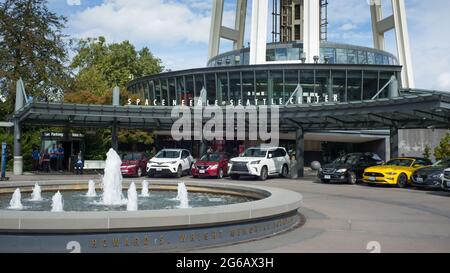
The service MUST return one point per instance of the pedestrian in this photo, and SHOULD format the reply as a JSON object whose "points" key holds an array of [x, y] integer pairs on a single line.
{"points": [[36, 157], [60, 158], [79, 164], [53, 153], [46, 161]]}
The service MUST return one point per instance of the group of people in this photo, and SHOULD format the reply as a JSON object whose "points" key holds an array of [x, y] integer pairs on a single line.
{"points": [[49, 160]]}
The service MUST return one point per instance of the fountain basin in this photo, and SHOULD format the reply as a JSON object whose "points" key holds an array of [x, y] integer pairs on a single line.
{"points": [[274, 211]]}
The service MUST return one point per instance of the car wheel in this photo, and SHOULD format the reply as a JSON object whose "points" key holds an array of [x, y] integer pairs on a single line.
{"points": [[352, 178], [402, 181], [220, 176], [284, 172], [264, 174], [235, 176], [139, 172], [179, 172]]}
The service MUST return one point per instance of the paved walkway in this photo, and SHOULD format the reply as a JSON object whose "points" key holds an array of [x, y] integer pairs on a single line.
{"points": [[344, 218]]}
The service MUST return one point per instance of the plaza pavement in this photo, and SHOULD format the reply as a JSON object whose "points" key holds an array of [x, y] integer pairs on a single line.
{"points": [[343, 218]]}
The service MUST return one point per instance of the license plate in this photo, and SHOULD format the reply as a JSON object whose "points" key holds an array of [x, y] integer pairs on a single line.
{"points": [[420, 179], [372, 178], [202, 171], [327, 176], [159, 169]]}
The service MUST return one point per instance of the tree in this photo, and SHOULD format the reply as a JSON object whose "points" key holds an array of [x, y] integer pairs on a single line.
{"points": [[443, 149], [99, 67], [31, 48], [427, 152]]}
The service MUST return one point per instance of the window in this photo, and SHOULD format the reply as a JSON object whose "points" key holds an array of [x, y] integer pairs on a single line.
{"points": [[276, 82], [172, 91], [352, 56], [211, 88], [341, 56], [248, 87], [235, 86], [370, 84], [222, 88], [354, 84], [297, 12], [262, 89]]}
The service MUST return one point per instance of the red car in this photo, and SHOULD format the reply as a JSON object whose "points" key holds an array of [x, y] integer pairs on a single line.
{"points": [[211, 165], [134, 164]]}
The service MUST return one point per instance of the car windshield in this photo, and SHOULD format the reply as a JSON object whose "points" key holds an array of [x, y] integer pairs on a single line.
{"points": [[211, 157], [132, 156], [347, 159], [400, 162], [255, 153], [168, 154], [442, 164]]}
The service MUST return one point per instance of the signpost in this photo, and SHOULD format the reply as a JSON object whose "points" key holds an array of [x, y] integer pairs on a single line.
{"points": [[4, 178]]}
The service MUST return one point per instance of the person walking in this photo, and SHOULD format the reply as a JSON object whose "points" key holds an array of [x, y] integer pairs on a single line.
{"points": [[36, 156], [46, 161], [60, 158], [53, 153], [79, 164]]}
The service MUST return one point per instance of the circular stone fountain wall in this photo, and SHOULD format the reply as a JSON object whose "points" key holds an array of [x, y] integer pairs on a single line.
{"points": [[274, 211]]}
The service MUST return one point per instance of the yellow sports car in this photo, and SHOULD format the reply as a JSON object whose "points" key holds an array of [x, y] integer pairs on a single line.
{"points": [[398, 171]]}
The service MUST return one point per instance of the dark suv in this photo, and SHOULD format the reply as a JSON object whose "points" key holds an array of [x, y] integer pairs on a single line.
{"points": [[348, 168]]}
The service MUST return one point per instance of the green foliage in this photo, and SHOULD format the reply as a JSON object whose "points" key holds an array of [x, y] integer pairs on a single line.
{"points": [[31, 48], [427, 152], [443, 149], [99, 66]]}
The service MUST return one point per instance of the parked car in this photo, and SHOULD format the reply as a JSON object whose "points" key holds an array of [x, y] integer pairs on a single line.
{"points": [[348, 168], [211, 165], [261, 163], [134, 164], [397, 171], [446, 180], [170, 162], [430, 177]]}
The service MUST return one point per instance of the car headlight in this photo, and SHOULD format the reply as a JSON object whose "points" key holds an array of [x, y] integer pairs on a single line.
{"points": [[255, 162], [214, 166], [391, 173], [173, 162], [438, 176], [341, 170]]}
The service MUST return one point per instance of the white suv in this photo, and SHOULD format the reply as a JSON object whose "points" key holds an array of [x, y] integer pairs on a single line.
{"points": [[261, 162], [170, 162]]}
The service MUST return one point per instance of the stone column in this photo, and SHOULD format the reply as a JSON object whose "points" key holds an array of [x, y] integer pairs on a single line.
{"points": [[394, 142], [300, 152]]}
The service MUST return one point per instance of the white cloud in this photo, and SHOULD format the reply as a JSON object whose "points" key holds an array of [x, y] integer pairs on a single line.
{"points": [[178, 30], [140, 21], [73, 2]]}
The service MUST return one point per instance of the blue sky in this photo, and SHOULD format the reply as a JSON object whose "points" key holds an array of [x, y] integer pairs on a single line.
{"points": [[177, 31]]}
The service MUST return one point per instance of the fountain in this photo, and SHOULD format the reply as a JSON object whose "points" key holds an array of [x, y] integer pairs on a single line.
{"points": [[91, 192], [36, 194], [132, 204], [145, 192], [183, 196], [57, 202], [16, 202], [116, 220], [112, 180]]}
